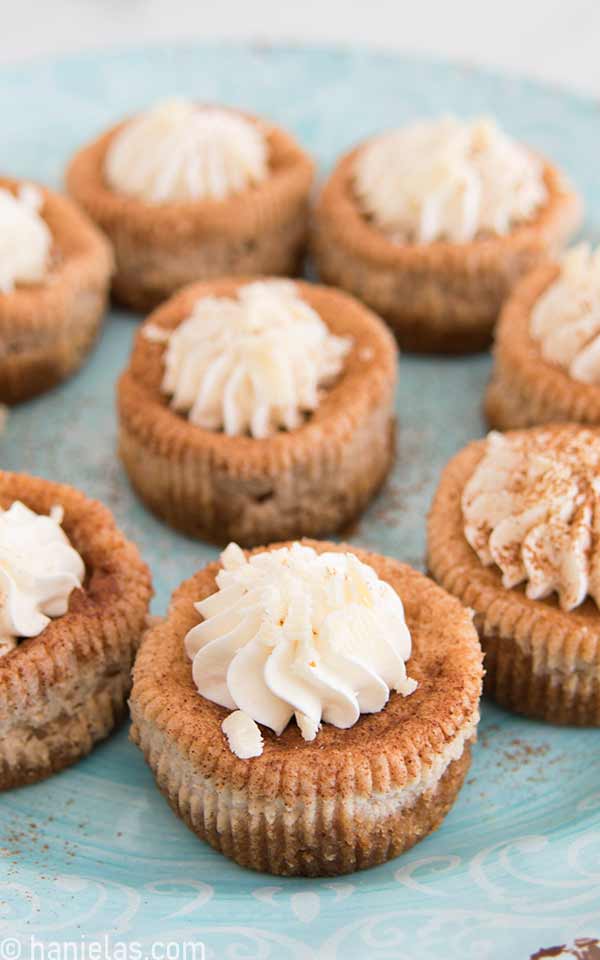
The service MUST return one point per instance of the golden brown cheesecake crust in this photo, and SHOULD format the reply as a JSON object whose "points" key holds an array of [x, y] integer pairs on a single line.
{"points": [[48, 328], [311, 480], [526, 389], [540, 660], [348, 799], [438, 297], [64, 690], [160, 248]]}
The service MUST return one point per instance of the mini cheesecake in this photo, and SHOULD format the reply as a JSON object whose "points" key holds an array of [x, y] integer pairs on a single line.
{"points": [[315, 798], [433, 225], [257, 466], [79, 599], [547, 352], [512, 534], [55, 269], [187, 192]]}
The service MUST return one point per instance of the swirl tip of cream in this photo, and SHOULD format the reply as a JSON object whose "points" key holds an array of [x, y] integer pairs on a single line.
{"points": [[292, 633], [25, 239], [448, 179], [253, 364], [566, 318], [181, 151], [39, 569]]}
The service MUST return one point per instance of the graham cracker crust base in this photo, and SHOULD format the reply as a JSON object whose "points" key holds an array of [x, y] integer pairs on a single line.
{"points": [[330, 841]]}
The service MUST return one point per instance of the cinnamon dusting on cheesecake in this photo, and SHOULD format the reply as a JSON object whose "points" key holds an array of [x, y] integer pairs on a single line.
{"points": [[532, 507]]}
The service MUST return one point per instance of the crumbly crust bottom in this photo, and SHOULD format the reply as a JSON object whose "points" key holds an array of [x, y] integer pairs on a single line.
{"points": [[310, 481], [525, 389], [440, 297], [322, 838], [47, 330], [347, 800], [64, 690], [540, 660]]}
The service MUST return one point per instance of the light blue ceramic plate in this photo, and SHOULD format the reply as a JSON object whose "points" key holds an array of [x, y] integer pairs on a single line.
{"points": [[95, 852]]}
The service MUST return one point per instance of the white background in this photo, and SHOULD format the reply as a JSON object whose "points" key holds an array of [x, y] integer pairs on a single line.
{"points": [[553, 40]]}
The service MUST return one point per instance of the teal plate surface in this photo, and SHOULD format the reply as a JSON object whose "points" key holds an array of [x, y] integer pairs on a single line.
{"points": [[95, 852]]}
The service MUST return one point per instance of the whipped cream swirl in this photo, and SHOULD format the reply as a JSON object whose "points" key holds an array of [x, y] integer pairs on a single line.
{"points": [[25, 239], [181, 151], [255, 364], [566, 318], [38, 571], [532, 507], [294, 633], [448, 180]]}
